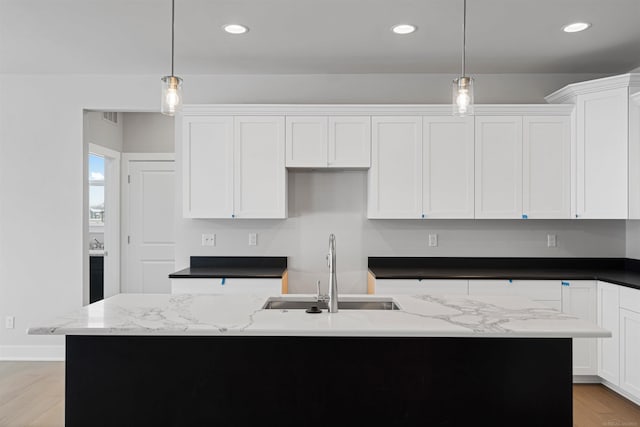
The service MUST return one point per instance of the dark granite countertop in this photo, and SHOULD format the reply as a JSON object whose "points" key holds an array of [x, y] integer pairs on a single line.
{"points": [[621, 271], [233, 267]]}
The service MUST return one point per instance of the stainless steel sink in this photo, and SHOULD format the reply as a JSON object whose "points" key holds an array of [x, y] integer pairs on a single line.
{"points": [[284, 303]]}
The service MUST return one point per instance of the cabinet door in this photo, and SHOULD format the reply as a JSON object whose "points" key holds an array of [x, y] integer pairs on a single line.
{"points": [[350, 142], [546, 167], [608, 318], [498, 167], [447, 167], [421, 287], [306, 141], [579, 299], [260, 175], [630, 352], [395, 177], [207, 165], [602, 143]]}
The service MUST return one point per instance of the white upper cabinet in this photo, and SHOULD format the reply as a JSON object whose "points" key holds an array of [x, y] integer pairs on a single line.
{"points": [[607, 146], [546, 167], [498, 167], [328, 141], [395, 177], [349, 142], [233, 167], [447, 167], [207, 161], [307, 143], [602, 125], [260, 182]]}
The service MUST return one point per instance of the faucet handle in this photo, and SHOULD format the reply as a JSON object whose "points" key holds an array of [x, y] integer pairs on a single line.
{"points": [[319, 296]]}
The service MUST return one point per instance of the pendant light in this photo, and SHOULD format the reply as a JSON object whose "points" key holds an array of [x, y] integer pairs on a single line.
{"points": [[463, 85], [171, 85]]}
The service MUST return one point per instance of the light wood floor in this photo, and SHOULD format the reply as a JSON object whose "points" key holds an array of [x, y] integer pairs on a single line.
{"points": [[32, 394]]}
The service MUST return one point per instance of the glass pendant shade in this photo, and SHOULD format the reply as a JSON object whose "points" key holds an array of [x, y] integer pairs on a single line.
{"points": [[462, 91], [171, 95]]}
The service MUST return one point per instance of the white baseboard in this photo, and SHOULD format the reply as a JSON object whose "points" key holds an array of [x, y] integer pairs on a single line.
{"points": [[32, 352], [586, 379], [621, 392]]}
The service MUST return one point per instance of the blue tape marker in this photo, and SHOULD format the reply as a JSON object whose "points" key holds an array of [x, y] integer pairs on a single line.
{"points": [[224, 279], [525, 216], [566, 284], [510, 281]]}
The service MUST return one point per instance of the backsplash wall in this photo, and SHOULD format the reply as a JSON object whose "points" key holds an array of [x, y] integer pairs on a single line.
{"points": [[322, 202]]}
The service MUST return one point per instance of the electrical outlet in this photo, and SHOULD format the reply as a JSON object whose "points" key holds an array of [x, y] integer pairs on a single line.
{"points": [[208, 240], [9, 322], [253, 239], [433, 240], [552, 241]]}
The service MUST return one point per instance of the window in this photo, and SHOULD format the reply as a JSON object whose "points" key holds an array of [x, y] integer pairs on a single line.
{"points": [[96, 190]]}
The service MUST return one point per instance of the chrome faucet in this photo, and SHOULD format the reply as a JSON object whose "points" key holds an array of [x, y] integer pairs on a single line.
{"points": [[333, 281]]}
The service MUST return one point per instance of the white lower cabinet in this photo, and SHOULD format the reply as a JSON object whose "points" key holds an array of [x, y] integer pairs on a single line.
{"points": [[420, 287], [579, 299], [608, 318], [230, 286], [547, 292], [630, 341], [630, 352]]}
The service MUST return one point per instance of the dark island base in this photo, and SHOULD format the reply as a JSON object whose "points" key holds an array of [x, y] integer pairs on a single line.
{"points": [[313, 381]]}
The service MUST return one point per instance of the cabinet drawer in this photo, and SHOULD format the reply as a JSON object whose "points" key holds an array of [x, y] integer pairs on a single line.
{"points": [[630, 299], [420, 287], [226, 286], [537, 290]]}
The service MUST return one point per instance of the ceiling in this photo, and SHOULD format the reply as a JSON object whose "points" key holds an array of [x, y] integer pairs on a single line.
{"points": [[317, 36]]}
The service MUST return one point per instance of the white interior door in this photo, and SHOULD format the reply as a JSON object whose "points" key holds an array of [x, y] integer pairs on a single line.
{"points": [[150, 241]]}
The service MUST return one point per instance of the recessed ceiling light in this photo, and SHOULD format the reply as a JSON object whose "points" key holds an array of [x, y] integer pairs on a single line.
{"points": [[576, 27], [403, 28], [235, 29]]}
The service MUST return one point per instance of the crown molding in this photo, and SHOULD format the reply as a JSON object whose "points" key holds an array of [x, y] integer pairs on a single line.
{"points": [[568, 93], [371, 109]]}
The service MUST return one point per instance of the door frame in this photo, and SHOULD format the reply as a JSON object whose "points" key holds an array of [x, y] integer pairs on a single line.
{"points": [[111, 229], [125, 221]]}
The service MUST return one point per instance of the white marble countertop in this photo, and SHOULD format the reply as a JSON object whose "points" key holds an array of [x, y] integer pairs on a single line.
{"points": [[424, 316]]}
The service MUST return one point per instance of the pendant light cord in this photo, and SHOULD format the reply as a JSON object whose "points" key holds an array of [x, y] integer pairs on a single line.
{"points": [[464, 34], [173, 7]]}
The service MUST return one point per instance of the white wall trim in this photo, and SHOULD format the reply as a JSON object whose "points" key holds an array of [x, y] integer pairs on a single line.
{"points": [[566, 93], [144, 157], [620, 391], [32, 352], [371, 110], [103, 151]]}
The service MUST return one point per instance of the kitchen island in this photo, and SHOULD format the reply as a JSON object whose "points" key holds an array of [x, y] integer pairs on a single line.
{"points": [[226, 360]]}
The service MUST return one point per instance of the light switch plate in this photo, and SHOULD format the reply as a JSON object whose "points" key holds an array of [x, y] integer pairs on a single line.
{"points": [[9, 322], [253, 239], [433, 240], [552, 241]]}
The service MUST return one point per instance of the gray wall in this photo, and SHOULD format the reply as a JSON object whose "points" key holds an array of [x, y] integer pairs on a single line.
{"points": [[101, 132], [633, 239], [46, 159], [148, 133], [321, 203]]}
